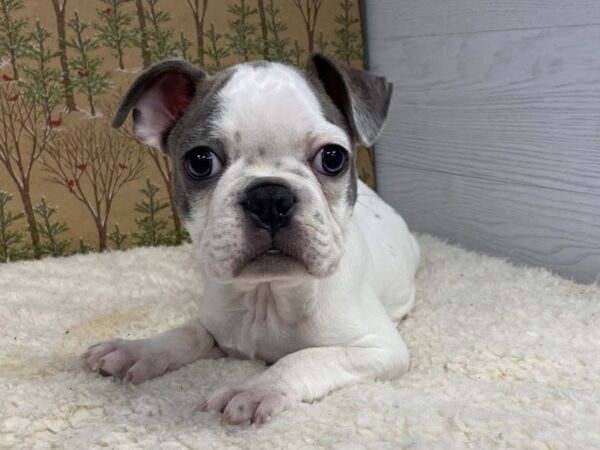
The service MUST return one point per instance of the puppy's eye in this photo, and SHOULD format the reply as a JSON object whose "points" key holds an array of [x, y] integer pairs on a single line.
{"points": [[331, 160], [201, 163]]}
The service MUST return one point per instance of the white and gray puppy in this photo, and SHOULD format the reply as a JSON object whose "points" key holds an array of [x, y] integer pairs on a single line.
{"points": [[307, 268]]}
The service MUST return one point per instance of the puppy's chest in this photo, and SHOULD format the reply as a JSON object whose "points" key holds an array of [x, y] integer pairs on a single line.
{"points": [[256, 325]]}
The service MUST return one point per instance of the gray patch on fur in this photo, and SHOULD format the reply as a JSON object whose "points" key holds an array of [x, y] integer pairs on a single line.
{"points": [[192, 130], [335, 116], [258, 64], [362, 97], [352, 191], [298, 172], [238, 137], [197, 117], [331, 112], [371, 97]]}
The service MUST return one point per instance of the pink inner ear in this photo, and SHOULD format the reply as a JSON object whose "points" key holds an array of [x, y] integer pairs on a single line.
{"points": [[160, 106]]}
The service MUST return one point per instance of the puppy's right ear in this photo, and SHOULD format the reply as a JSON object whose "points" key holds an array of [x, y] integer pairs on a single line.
{"points": [[159, 97]]}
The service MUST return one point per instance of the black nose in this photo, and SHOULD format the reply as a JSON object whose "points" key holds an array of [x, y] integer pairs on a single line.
{"points": [[270, 206]]}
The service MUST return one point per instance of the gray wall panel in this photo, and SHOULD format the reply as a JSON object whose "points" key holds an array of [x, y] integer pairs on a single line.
{"points": [[400, 18], [493, 139], [516, 221]]}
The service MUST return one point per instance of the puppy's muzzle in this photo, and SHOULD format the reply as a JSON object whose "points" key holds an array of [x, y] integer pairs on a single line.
{"points": [[269, 206]]}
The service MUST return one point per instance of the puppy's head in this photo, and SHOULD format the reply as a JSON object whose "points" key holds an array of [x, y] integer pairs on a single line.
{"points": [[263, 158]]}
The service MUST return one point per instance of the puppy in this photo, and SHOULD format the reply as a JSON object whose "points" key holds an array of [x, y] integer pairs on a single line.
{"points": [[307, 268]]}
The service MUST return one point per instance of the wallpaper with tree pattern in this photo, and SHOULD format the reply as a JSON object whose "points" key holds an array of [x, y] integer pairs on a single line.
{"points": [[71, 184]]}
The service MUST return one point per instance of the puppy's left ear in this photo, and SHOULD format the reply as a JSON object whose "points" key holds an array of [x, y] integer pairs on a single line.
{"points": [[362, 97], [158, 98]]}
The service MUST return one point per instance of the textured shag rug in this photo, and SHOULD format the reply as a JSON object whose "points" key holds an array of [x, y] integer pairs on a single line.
{"points": [[501, 357]]}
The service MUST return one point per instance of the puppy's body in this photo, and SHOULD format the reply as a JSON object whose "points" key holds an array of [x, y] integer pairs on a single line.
{"points": [[306, 267], [268, 320]]}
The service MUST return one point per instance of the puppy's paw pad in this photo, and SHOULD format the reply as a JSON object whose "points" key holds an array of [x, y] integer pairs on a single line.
{"points": [[255, 405]]}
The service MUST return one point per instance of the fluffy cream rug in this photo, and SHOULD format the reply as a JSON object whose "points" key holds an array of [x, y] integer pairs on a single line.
{"points": [[501, 357]]}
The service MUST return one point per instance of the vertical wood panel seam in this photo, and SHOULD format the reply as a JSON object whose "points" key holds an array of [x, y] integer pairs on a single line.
{"points": [[362, 11]]}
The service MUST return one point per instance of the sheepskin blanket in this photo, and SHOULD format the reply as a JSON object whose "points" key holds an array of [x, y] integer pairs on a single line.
{"points": [[501, 357]]}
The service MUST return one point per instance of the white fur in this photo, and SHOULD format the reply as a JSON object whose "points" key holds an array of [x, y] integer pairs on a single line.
{"points": [[271, 320], [327, 320], [272, 124], [274, 107]]}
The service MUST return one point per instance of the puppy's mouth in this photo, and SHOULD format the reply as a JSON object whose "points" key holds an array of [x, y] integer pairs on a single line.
{"points": [[270, 253], [273, 262]]}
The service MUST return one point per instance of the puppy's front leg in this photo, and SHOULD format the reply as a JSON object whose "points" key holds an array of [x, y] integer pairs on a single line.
{"points": [[136, 361], [306, 375]]}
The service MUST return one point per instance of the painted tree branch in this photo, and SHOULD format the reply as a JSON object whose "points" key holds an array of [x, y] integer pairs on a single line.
{"points": [[182, 45], [60, 9], [278, 45], [242, 38], [94, 162], [51, 244], [11, 241], [90, 81], [153, 227], [159, 33], [13, 37], [43, 86], [143, 33], [216, 52], [263, 29], [115, 29], [348, 41], [199, 13], [310, 12], [163, 165], [24, 137]]}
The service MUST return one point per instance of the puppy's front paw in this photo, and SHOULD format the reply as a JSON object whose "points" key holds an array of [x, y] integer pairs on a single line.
{"points": [[239, 405], [132, 361]]}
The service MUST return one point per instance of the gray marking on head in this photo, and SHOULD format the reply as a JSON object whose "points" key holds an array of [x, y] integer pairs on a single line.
{"points": [[335, 116], [362, 97], [330, 110], [261, 151], [298, 172], [352, 192], [194, 129], [258, 64], [237, 137]]}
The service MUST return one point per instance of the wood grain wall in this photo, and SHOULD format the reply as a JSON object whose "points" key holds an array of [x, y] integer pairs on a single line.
{"points": [[493, 140]]}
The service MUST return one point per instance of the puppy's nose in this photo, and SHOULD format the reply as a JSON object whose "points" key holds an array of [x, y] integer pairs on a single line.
{"points": [[270, 206]]}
